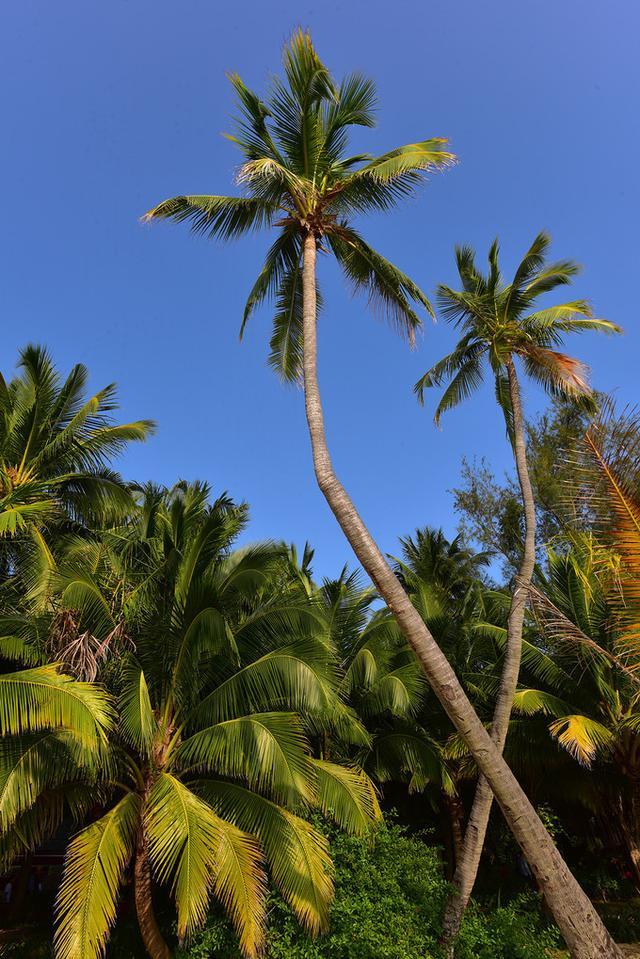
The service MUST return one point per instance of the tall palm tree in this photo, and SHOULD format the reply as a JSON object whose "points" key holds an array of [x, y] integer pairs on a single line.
{"points": [[208, 773], [499, 321], [298, 177]]}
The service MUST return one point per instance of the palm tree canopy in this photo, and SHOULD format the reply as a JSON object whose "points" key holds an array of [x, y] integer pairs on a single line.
{"points": [[56, 445], [210, 759], [298, 176], [499, 320]]}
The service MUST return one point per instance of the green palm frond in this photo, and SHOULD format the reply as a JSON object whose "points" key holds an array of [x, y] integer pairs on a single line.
{"points": [[44, 698], [137, 720], [281, 259], [412, 158], [286, 349], [194, 850], [93, 872], [296, 853], [298, 673], [266, 750], [399, 691], [407, 753], [347, 795], [465, 382], [388, 289], [532, 701], [33, 764], [223, 217]]}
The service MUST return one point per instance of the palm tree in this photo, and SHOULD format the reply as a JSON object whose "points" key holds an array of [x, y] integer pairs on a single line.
{"points": [[53, 737], [589, 611], [298, 177], [593, 700], [208, 773], [498, 322], [55, 447]]}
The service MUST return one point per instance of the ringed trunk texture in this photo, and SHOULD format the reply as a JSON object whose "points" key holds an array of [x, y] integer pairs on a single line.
{"points": [[151, 936], [579, 923], [475, 833]]}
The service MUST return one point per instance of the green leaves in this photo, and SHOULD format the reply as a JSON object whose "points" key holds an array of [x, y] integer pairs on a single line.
{"points": [[193, 850], [266, 750], [223, 217], [44, 698], [414, 157], [348, 796], [298, 175], [297, 855], [137, 720], [497, 323], [388, 290], [93, 872]]}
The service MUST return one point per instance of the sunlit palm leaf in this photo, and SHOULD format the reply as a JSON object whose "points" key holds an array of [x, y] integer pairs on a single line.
{"points": [[93, 872]]}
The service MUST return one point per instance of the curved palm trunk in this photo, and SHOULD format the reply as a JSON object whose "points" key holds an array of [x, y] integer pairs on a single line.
{"points": [[151, 936], [580, 925], [475, 833]]}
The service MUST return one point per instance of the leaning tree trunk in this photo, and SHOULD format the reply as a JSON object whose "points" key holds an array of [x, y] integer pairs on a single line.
{"points": [[579, 923], [151, 936], [475, 833]]}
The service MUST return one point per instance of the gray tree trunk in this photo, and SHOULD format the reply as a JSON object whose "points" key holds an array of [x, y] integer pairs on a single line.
{"points": [[467, 868], [579, 923]]}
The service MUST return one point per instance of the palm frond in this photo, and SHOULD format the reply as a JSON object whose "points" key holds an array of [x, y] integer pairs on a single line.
{"points": [[44, 698], [221, 217], [347, 795], [296, 853], [93, 872]]}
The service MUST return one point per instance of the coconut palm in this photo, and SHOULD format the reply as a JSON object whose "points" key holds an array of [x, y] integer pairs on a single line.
{"points": [[56, 444], [299, 178], [53, 738], [500, 322], [208, 773], [589, 610], [592, 702]]}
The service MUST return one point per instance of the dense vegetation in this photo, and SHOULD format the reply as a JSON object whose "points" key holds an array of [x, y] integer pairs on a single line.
{"points": [[218, 739]]}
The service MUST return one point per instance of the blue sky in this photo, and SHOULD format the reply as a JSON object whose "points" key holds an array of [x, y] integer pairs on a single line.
{"points": [[109, 107]]}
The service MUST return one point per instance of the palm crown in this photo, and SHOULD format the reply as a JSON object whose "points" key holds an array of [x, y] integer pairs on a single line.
{"points": [[299, 177], [499, 321], [207, 776], [55, 446]]}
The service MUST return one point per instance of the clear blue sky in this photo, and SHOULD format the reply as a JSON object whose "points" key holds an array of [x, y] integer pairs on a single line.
{"points": [[109, 107]]}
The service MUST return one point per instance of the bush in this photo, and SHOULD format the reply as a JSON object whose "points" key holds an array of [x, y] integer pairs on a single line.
{"points": [[389, 899]]}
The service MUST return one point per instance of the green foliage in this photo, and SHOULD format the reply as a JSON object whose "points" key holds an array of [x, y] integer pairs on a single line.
{"points": [[300, 179], [497, 323], [389, 897]]}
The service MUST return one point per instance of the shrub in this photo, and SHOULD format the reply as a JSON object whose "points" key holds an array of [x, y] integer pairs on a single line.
{"points": [[389, 898]]}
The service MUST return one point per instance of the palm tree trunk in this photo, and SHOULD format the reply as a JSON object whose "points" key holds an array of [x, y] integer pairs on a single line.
{"points": [[579, 923], [475, 833], [455, 811], [151, 936], [629, 817]]}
